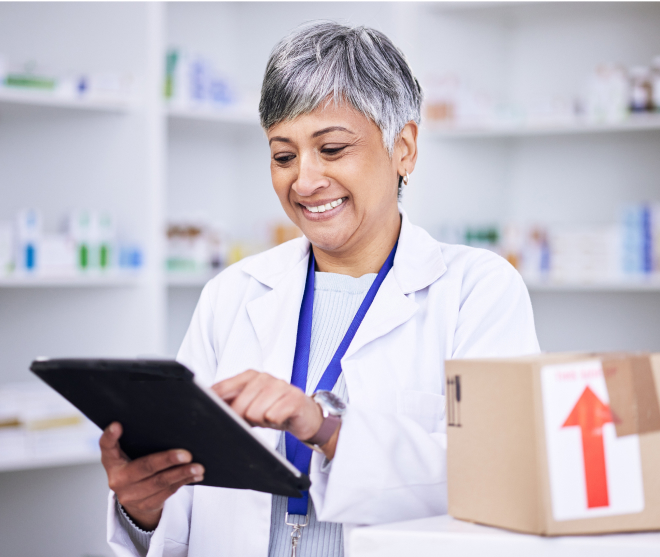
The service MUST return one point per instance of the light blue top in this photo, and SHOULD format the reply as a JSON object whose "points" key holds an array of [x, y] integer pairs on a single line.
{"points": [[336, 301]]}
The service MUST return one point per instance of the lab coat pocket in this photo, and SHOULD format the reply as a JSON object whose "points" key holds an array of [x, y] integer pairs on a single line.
{"points": [[427, 409]]}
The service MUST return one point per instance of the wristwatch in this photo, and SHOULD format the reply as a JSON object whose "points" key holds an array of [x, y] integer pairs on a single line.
{"points": [[332, 408]]}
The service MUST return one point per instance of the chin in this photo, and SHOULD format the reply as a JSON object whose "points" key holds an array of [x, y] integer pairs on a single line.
{"points": [[327, 241]]}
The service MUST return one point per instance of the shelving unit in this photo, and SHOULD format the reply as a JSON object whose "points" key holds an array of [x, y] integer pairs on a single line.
{"points": [[622, 286], [149, 162], [71, 282], [634, 123], [52, 100], [216, 115], [189, 280], [59, 153]]}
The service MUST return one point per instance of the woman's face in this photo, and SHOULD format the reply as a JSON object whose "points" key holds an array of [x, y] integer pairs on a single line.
{"points": [[334, 177]]}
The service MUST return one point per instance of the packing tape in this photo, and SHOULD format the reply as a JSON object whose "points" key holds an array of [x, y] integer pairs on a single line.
{"points": [[632, 391]]}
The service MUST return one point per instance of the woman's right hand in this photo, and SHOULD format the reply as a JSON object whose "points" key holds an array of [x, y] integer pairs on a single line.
{"points": [[143, 485]]}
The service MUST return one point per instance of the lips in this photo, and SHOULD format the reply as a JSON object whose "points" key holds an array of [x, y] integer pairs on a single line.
{"points": [[322, 206], [323, 209]]}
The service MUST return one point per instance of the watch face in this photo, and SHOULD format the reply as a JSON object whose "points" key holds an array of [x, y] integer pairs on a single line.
{"points": [[330, 402]]}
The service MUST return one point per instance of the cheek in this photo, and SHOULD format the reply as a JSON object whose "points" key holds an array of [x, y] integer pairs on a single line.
{"points": [[281, 184]]}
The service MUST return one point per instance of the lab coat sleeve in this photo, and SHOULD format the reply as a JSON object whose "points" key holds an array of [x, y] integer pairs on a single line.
{"points": [[495, 318], [387, 467], [140, 538], [170, 539]]}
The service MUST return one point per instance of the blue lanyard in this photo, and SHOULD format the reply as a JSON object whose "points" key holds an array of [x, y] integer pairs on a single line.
{"points": [[296, 452]]}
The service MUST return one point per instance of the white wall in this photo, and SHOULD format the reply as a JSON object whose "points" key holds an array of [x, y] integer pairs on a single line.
{"points": [[57, 512]]}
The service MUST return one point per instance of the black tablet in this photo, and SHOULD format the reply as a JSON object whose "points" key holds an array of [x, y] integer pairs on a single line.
{"points": [[161, 407]]}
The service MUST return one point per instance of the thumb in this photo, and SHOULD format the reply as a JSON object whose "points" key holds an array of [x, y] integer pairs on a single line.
{"points": [[111, 452]]}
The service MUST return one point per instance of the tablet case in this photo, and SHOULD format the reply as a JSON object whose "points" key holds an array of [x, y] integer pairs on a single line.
{"points": [[161, 407]]}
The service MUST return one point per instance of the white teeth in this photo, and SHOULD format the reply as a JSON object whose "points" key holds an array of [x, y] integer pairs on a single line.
{"points": [[326, 207]]}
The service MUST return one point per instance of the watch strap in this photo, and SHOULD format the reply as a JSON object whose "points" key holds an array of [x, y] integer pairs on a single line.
{"points": [[326, 431]]}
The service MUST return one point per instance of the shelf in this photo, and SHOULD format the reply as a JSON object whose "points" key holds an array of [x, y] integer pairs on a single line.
{"points": [[636, 122], [50, 461], [422, 537], [198, 280], [189, 280], [623, 285], [51, 100], [233, 115], [71, 281]]}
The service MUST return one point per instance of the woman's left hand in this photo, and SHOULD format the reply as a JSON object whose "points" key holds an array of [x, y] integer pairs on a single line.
{"points": [[265, 401]]}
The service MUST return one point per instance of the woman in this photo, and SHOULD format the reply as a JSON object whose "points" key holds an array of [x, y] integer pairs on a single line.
{"points": [[365, 305]]}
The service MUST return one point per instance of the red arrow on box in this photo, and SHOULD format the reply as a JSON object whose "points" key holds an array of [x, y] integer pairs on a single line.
{"points": [[590, 414]]}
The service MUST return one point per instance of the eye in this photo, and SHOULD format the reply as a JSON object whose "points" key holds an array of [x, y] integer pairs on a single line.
{"points": [[283, 158], [333, 149]]}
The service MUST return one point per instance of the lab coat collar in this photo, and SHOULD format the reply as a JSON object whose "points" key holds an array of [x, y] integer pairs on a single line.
{"points": [[418, 262]]}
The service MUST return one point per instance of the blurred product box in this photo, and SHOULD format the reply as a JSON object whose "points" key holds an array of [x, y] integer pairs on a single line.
{"points": [[28, 239], [555, 444], [195, 246], [93, 235], [584, 254], [37, 424], [87, 243], [192, 79]]}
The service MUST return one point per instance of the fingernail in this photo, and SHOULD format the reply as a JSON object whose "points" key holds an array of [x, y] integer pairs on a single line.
{"points": [[112, 428], [196, 470], [183, 456], [198, 478]]}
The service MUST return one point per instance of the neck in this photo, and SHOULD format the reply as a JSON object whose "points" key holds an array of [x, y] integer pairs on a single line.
{"points": [[364, 257]]}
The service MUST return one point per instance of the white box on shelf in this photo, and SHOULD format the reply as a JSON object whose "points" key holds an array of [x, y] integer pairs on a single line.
{"points": [[39, 428]]}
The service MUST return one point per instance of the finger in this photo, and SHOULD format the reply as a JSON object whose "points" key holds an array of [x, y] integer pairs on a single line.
{"points": [[252, 390], [148, 466], [296, 413], [228, 389], [284, 410], [163, 481], [154, 502], [256, 410], [111, 453]]}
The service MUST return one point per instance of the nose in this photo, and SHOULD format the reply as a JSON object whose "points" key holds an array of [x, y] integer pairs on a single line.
{"points": [[310, 177]]}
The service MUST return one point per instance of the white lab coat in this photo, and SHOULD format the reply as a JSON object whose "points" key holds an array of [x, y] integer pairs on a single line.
{"points": [[439, 302]]}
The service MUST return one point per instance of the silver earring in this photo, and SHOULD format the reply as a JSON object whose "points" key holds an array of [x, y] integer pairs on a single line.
{"points": [[406, 178]]}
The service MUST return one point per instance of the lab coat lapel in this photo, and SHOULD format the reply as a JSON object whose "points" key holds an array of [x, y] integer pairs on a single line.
{"points": [[417, 264], [274, 317], [390, 308]]}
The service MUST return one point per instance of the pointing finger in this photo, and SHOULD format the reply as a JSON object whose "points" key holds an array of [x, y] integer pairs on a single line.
{"points": [[232, 387]]}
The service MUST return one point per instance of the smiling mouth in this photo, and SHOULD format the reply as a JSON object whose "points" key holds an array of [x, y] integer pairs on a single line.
{"points": [[325, 207]]}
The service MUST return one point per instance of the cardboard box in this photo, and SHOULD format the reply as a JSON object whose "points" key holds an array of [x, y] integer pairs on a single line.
{"points": [[555, 444]]}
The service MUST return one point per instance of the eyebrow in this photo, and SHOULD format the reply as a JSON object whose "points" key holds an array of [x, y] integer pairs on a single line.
{"points": [[278, 138], [331, 129], [315, 134]]}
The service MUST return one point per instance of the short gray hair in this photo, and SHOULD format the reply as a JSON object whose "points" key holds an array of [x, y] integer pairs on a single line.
{"points": [[325, 60]]}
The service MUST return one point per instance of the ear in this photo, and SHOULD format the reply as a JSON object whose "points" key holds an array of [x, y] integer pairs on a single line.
{"points": [[405, 149]]}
